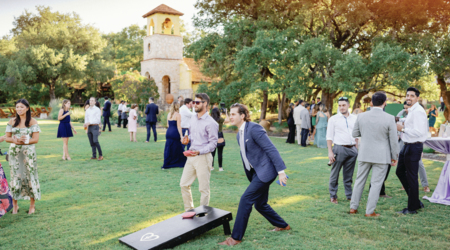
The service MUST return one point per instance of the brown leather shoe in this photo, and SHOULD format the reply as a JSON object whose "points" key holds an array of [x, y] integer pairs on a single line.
{"points": [[334, 200], [372, 215], [353, 211], [230, 242], [281, 229], [349, 199], [100, 158], [385, 196], [93, 158], [426, 189]]}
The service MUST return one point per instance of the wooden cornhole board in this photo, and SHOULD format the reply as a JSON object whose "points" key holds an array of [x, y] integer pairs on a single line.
{"points": [[176, 230]]}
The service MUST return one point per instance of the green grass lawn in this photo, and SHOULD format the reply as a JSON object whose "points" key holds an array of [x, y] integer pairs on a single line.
{"points": [[89, 204]]}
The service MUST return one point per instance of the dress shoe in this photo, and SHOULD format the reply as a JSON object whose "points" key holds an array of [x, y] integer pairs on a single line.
{"points": [[385, 196], [93, 158], [281, 229], [372, 215], [230, 242], [100, 158], [426, 189], [334, 200], [353, 211], [349, 199], [406, 211], [422, 205]]}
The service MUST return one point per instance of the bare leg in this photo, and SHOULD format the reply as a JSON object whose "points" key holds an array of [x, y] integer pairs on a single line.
{"points": [[134, 135], [32, 207], [15, 207], [64, 148], [131, 136], [67, 149]]}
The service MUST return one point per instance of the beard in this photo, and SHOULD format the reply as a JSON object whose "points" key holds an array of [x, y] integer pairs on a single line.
{"points": [[199, 109]]}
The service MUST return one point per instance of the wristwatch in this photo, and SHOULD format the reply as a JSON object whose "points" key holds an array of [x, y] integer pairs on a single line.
{"points": [[403, 130]]}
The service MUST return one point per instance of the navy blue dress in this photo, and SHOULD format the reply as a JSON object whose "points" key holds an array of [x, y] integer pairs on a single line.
{"points": [[173, 152], [64, 129]]}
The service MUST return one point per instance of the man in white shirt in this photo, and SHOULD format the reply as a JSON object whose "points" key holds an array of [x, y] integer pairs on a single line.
{"points": [[125, 114], [415, 132], [92, 121], [119, 112], [186, 114], [298, 120], [344, 152]]}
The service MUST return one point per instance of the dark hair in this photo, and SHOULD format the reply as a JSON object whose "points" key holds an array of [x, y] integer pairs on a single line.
{"points": [[344, 99], [416, 91], [151, 98], [122, 101], [203, 96], [28, 114], [378, 99], [307, 105], [187, 100], [318, 98], [106, 98], [86, 102], [97, 104], [242, 110], [215, 114]]}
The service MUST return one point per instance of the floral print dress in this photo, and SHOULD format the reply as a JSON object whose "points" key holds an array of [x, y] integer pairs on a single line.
{"points": [[24, 182]]}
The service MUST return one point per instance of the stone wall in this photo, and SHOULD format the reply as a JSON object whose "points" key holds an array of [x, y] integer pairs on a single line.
{"points": [[163, 47]]}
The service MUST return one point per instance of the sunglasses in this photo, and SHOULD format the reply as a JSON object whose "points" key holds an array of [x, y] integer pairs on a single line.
{"points": [[198, 102], [343, 98]]}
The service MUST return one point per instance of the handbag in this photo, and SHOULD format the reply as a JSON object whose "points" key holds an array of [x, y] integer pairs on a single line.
{"points": [[221, 140]]}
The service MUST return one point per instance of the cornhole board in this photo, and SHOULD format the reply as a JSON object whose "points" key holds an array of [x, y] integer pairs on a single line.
{"points": [[176, 230]]}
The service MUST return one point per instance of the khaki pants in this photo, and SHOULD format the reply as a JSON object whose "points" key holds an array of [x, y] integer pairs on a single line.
{"points": [[198, 166]]}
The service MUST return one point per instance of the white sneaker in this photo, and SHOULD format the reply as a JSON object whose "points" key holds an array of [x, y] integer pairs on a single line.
{"points": [[212, 169], [220, 169]]}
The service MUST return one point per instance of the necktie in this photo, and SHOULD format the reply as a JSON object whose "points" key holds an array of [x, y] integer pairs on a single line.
{"points": [[244, 156]]}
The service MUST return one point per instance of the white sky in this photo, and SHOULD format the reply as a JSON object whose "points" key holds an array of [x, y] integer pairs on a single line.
{"points": [[107, 15]]}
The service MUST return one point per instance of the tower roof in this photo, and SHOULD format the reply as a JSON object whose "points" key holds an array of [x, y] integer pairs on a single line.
{"points": [[164, 9]]}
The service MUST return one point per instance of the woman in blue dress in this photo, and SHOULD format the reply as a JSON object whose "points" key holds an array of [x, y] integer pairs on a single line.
{"points": [[65, 128], [433, 113], [173, 151], [321, 127]]}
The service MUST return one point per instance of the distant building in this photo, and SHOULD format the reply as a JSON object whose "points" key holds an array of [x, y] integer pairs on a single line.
{"points": [[163, 56]]}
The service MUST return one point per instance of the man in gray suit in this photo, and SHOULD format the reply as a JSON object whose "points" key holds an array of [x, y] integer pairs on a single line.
{"points": [[306, 124], [378, 149]]}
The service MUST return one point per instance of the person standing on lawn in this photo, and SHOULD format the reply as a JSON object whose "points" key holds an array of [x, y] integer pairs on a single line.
{"points": [[203, 139], [119, 112], [344, 152], [151, 110], [92, 122], [262, 164], [415, 132], [23, 133], [65, 128], [132, 122], [306, 124], [298, 120], [106, 114], [379, 149], [186, 115]]}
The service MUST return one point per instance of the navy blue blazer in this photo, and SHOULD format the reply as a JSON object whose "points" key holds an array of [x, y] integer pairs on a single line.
{"points": [[261, 153], [107, 109], [151, 110]]}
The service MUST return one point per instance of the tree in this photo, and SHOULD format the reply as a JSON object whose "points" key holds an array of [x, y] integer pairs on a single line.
{"points": [[52, 48], [134, 87]]}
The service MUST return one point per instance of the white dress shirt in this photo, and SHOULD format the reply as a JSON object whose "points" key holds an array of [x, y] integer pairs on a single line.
{"points": [[124, 108], [120, 107], [93, 115], [247, 164], [416, 125], [340, 129], [186, 115]]}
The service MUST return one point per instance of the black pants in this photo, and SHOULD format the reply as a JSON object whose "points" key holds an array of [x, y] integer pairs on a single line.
{"points": [[291, 135], [408, 171], [442, 106], [120, 119], [219, 155], [93, 133], [150, 126], [106, 121], [305, 133], [125, 122]]}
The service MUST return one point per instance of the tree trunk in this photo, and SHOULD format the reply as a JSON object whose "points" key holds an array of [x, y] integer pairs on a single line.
{"points": [[358, 98], [445, 95], [281, 107], [327, 100], [52, 90], [264, 105]]}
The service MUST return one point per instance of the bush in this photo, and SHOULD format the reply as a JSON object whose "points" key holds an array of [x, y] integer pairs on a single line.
{"points": [[56, 106], [77, 114], [162, 118], [231, 127]]}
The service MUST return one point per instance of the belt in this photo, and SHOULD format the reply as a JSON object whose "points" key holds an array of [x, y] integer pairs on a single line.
{"points": [[347, 146], [417, 142], [93, 125]]}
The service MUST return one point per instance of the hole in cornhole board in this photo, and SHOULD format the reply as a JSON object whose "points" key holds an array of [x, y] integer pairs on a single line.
{"points": [[176, 230]]}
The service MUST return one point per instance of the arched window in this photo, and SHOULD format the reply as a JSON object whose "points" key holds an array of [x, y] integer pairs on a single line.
{"points": [[148, 47]]}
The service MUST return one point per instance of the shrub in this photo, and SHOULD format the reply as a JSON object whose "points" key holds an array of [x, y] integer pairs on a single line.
{"points": [[162, 118], [56, 106], [77, 114]]}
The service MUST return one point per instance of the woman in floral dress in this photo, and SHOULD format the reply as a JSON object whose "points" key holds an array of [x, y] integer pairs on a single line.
{"points": [[23, 132]]}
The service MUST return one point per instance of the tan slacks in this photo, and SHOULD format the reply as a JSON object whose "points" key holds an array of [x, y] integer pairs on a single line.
{"points": [[196, 167]]}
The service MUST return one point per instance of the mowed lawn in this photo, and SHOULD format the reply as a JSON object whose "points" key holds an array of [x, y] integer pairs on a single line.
{"points": [[88, 204]]}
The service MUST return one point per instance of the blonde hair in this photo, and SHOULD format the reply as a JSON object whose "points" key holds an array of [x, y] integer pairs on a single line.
{"points": [[324, 108], [64, 104], [134, 105], [174, 107]]}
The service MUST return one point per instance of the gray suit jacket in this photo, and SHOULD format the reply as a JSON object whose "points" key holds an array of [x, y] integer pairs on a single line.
{"points": [[378, 132], [306, 119]]}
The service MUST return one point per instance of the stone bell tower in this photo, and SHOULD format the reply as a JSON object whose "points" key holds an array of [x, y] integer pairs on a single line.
{"points": [[163, 53]]}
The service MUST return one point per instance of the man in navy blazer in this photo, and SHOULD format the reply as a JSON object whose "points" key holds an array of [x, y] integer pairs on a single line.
{"points": [[262, 164], [151, 110], [106, 114]]}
